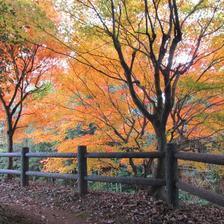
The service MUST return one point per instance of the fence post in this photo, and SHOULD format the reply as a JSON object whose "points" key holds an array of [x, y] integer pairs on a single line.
{"points": [[82, 171], [171, 176], [24, 167]]}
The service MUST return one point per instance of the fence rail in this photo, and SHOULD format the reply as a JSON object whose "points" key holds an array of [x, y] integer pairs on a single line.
{"points": [[201, 157], [15, 172], [170, 181], [10, 154], [119, 155], [51, 155], [52, 175], [202, 193], [127, 180]]}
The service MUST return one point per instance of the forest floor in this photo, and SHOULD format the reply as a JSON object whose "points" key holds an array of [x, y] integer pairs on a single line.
{"points": [[43, 203]]}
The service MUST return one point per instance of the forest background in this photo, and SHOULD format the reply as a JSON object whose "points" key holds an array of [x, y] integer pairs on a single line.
{"points": [[114, 76]]}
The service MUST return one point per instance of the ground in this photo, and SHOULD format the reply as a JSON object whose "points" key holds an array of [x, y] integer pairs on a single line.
{"points": [[43, 203]]}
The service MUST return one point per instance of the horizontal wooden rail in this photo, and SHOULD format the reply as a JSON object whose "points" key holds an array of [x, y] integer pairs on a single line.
{"points": [[119, 155], [116, 155], [202, 193], [170, 180], [51, 155], [10, 154], [201, 157], [5, 171], [52, 175], [127, 180]]}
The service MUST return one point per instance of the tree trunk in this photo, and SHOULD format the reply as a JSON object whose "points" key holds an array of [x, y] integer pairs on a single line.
{"points": [[147, 167], [10, 149], [159, 192], [133, 166]]}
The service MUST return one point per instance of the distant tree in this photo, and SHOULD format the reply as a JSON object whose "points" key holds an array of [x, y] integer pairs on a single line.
{"points": [[22, 64], [89, 110]]}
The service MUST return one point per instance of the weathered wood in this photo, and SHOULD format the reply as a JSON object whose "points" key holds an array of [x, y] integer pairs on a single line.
{"points": [[171, 176], [171, 180], [53, 175], [51, 155], [119, 155], [201, 157], [10, 154], [202, 193], [6, 171], [24, 167], [88, 155], [127, 180], [82, 171]]}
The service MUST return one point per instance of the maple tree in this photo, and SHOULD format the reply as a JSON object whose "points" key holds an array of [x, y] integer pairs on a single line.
{"points": [[90, 109], [103, 113], [150, 46], [134, 63], [23, 64]]}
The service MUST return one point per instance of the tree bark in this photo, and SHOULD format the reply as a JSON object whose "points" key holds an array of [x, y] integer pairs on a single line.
{"points": [[133, 166], [159, 192], [10, 149]]}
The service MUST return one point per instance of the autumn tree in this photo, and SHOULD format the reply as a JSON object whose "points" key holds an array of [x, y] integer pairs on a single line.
{"points": [[169, 39], [22, 64], [99, 114], [197, 116], [90, 109], [169, 56]]}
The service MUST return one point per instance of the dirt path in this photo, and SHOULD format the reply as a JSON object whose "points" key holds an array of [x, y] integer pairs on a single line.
{"points": [[27, 206], [42, 203], [15, 214]]}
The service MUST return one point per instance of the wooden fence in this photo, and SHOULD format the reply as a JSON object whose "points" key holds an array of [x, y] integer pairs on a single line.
{"points": [[171, 181]]}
